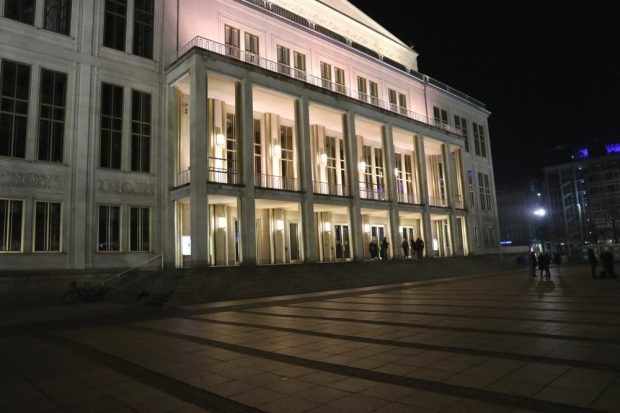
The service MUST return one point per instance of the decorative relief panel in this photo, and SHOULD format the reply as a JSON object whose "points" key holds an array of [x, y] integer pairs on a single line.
{"points": [[109, 186], [15, 179]]}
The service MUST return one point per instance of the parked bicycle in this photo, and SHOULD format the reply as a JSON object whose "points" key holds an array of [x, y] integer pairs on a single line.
{"points": [[84, 293]]}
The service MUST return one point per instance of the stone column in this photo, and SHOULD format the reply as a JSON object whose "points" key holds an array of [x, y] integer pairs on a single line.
{"points": [[390, 176], [426, 215], [357, 232], [302, 124], [450, 178], [199, 205], [246, 206]]}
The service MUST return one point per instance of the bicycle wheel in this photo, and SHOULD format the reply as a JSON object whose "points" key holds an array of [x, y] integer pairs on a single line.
{"points": [[70, 297]]}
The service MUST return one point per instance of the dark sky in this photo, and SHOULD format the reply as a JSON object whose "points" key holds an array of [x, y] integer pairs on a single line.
{"points": [[548, 71]]}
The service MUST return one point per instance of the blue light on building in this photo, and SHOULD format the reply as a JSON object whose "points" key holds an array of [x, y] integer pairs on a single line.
{"points": [[612, 148]]}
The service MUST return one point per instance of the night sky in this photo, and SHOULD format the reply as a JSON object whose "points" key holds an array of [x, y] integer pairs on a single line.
{"points": [[548, 71]]}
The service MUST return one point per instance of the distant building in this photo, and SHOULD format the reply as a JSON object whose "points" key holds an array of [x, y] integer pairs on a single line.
{"points": [[583, 196], [228, 132], [521, 212]]}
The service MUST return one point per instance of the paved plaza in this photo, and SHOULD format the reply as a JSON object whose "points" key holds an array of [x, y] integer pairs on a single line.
{"points": [[502, 342]]}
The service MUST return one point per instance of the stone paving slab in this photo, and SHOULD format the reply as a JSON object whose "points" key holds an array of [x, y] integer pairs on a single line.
{"points": [[495, 343]]}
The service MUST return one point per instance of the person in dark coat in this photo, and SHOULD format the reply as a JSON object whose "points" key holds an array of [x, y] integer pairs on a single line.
{"points": [[593, 261], [373, 248], [419, 247], [384, 248], [405, 246], [608, 263], [544, 259]]}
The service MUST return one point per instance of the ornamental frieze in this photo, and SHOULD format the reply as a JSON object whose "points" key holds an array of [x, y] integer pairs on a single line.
{"points": [[31, 180], [110, 186]]}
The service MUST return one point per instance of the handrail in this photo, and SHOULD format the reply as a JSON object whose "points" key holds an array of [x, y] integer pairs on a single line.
{"points": [[118, 275]]}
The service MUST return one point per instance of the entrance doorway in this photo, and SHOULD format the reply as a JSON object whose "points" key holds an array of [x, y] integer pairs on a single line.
{"points": [[343, 244]]}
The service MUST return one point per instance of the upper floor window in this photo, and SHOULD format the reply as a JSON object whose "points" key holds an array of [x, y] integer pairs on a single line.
{"points": [[440, 116], [362, 88], [374, 92], [479, 140], [231, 39], [326, 75], [14, 92], [57, 16], [20, 10], [52, 115], [140, 131], [485, 192], [339, 79], [284, 60], [300, 65], [111, 126], [143, 19], [115, 24], [251, 48], [461, 125], [11, 224]]}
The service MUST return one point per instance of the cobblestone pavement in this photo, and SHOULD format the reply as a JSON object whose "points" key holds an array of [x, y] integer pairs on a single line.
{"points": [[495, 343]]}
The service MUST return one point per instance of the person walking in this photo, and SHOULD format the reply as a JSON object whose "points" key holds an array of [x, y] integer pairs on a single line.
{"points": [[384, 248], [593, 261], [544, 259], [533, 263], [405, 247]]}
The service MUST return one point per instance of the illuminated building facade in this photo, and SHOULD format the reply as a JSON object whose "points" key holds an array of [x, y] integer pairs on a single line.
{"points": [[213, 132]]}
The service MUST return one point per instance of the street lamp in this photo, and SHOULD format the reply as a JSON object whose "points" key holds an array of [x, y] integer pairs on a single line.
{"points": [[540, 212]]}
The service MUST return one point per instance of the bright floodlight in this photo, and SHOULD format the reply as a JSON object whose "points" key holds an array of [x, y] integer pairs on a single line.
{"points": [[540, 212]]}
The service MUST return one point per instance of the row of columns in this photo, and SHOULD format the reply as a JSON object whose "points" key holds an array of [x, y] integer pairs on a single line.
{"points": [[244, 103]]}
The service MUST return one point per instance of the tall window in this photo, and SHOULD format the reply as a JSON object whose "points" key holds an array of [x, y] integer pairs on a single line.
{"points": [[339, 79], [441, 116], [231, 148], [284, 60], [300, 65], [485, 191], [11, 220], [288, 166], [479, 140], [326, 75], [52, 115], [111, 126], [374, 92], [57, 16], [258, 156], [231, 38], [402, 103], [362, 88], [143, 28], [367, 153], [20, 10], [379, 172], [392, 97], [140, 131], [461, 124], [470, 188], [47, 226], [331, 165], [109, 228], [115, 24], [14, 91], [139, 229], [252, 51]]}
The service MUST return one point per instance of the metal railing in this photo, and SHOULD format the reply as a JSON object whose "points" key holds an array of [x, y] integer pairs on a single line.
{"points": [[222, 170], [408, 198], [438, 201], [327, 188], [215, 47], [183, 178], [373, 192], [275, 182], [140, 264]]}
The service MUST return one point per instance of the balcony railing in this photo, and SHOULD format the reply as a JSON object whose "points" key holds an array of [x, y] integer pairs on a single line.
{"points": [[438, 201], [215, 47], [275, 182], [222, 171], [374, 192], [183, 178], [408, 198], [327, 188]]}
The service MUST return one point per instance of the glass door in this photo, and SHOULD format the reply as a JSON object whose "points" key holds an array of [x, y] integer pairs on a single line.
{"points": [[294, 241], [343, 249]]}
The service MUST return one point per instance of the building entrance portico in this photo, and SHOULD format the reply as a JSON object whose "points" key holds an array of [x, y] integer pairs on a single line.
{"points": [[333, 229]]}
